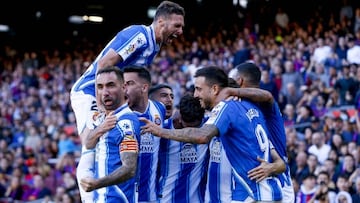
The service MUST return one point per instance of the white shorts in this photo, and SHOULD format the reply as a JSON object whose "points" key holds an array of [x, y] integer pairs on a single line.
{"points": [[85, 168], [84, 107], [288, 194]]}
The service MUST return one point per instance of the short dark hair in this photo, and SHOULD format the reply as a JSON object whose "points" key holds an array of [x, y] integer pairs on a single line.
{"points": [[190, 109], [109, 69], [232, 83], [250, 72], [155, 88], [213, 75], [141, 71], [166, 8]]}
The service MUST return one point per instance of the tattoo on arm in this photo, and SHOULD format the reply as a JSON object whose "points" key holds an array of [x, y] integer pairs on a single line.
{"points": [[123, 173], [200, 135]]}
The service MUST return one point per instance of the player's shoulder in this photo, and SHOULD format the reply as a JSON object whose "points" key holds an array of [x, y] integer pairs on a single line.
{"points": [[157, 103], [160, 106]]}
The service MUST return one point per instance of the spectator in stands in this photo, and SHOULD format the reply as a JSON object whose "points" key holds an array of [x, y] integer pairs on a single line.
{"points": [[268, 84], [318, 106], [68, 198], [341, 51], [321, 52], [318, 146], [356, 196], [343, 197], [332, 61], [347, 87], [313, 164], [242, 53], [38, 191], [300, 169], [33, 139], [290, 76], [16, 189], [331, 169], [353, 52], [282, 19], [343, 184], [303, 118], [292, 94], [348, 165], [307, 190], [289, 115], [326, 191]]}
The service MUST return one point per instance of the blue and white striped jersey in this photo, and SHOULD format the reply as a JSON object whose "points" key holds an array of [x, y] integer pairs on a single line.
{"points": [[277, 135], [244, 136], [136, 45], [219, 184], [149, 153], [182, 170], [108, 157]]}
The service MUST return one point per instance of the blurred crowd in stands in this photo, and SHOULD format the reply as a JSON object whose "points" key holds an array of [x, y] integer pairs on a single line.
{"points": [[312, 70]]}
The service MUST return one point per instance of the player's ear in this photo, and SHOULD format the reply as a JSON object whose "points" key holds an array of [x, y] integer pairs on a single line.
{"points": [[145, 87], [216, 89], [240, 81], [160, 21]]}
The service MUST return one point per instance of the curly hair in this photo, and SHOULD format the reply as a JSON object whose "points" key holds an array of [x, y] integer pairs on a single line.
{"points": [[190, 109]]}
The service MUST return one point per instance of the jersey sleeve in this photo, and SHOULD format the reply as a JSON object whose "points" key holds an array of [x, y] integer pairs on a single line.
{"points": [[129, 142], [130, 41], [219, 117]]}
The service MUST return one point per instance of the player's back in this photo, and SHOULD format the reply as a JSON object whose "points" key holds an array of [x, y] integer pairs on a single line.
{"points": [[244, 136], [277, 135]]}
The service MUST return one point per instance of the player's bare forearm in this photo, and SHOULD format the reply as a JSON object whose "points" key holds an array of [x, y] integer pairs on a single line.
{"points": [[266, 169], [255, 95], [192, 135], [278, 164], [123, 173], [109, 59], [93, 137]]}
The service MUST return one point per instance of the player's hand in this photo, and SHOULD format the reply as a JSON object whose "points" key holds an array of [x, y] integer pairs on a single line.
{"points": [[109, 122], [149, 127], [223, 94], [260, 172], [88, 184], [236, 98], [227, 95]]}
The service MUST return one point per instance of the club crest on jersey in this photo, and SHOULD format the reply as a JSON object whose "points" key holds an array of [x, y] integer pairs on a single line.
{"points": [[95, 115], [216, 110], [125, 126], [129, 134], [138, 42], [251, 113], [130, 49], [157, 120]]}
